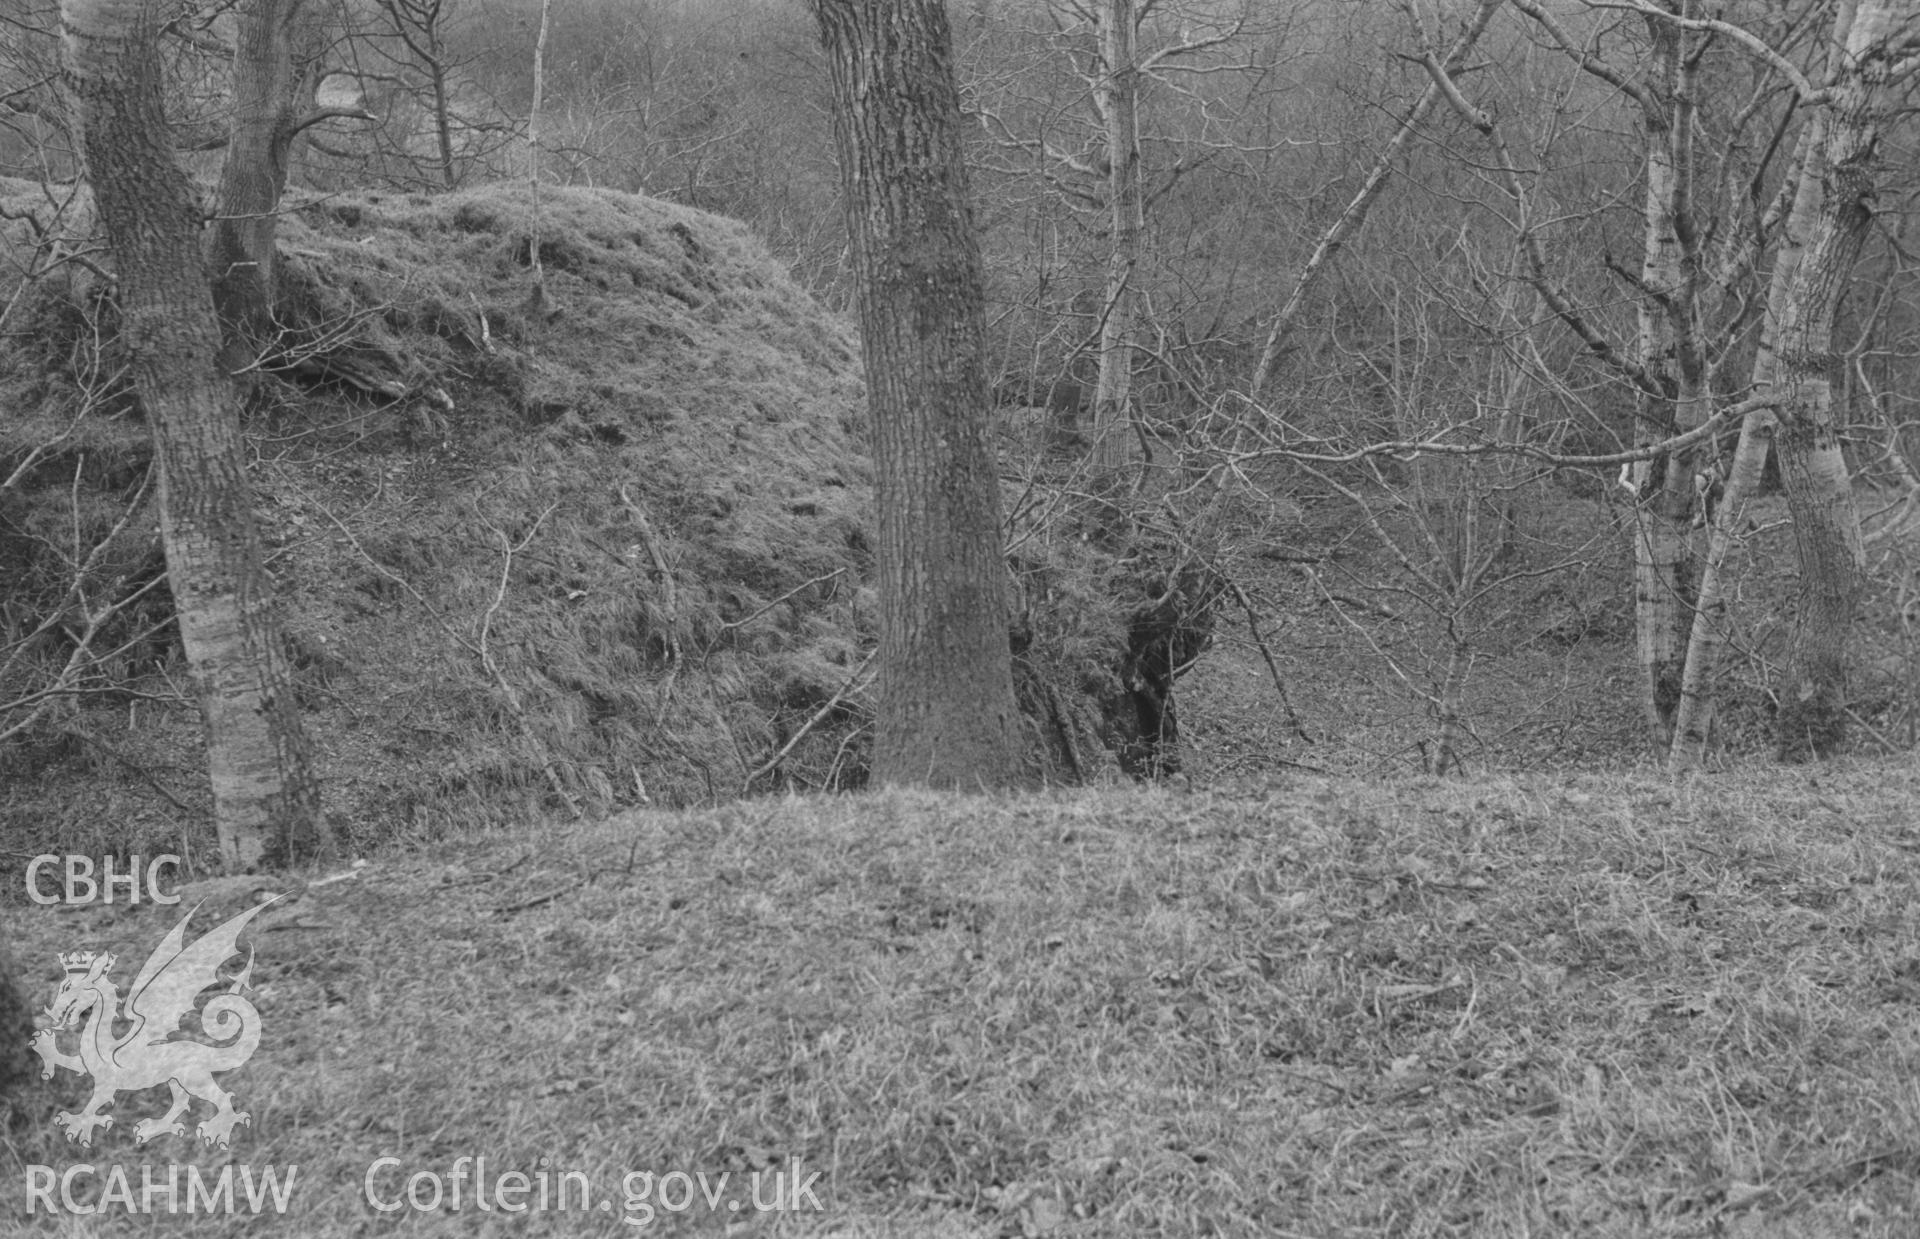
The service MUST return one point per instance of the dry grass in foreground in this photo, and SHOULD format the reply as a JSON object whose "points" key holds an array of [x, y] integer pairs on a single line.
{"points": [[1520, 1007]]}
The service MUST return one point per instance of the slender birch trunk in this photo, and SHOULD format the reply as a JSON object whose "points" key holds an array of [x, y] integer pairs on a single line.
{"points": [[1671, 347], [1872, 40], [1693, 725], [1118, 100], [1452, 707]]}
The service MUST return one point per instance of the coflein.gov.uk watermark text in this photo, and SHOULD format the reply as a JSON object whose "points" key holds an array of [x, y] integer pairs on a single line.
{"points": [[643, 1195], [89, 1190]]}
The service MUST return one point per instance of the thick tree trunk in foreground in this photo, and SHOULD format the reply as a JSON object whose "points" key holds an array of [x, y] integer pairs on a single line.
{"points": [[947, 713], [269, 91], [264, 793]]}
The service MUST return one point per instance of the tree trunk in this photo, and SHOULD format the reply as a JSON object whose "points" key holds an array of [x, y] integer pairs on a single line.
{"points": [[443, 119], [417, 24], [1118, 100], [1670, 347], [1812, 720], [264, 793], [1693, 723], [1451, 704], [269, 92], [946, 716], [16, 1026], [1713, 619], [1823, 234]]}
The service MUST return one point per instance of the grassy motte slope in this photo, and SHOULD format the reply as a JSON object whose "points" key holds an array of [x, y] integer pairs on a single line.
{"points": [[585, 547], [1597, 1007]]}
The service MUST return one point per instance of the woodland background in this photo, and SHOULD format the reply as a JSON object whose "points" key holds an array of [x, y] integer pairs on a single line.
{"points": [[1377, 397], [1378, 282]]}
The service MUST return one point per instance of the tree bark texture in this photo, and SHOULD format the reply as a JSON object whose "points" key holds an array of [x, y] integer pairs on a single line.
{"points": [[947, 716], [1822, 236], [265, 796], [1812, 719], [1713, 618], [1671, 348], [271, 87], [1118, 99]]}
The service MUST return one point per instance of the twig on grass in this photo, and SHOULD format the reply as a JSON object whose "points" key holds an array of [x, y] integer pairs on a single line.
{"points": [[669, 602], [534, 902], [744, 620], [852, 682], [1259, 640], [510, 548], [477, 648], [86, 737]]}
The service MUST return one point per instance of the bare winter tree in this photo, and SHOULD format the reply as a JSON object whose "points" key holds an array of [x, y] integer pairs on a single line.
{"points": [[1668, 366], [427, 72], [277, 63], [1354, 216], [1086, 124], [1874, 45], [947, 716], [1712, 141], [1116, 98], [266, 799], [420, 27]]}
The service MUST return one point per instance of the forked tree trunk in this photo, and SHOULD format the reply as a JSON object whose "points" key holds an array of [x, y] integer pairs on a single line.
{"points": [[1118, 99], [264, 793], [1693, 726], [1812, 720], [1824, 232], [947, 716]]}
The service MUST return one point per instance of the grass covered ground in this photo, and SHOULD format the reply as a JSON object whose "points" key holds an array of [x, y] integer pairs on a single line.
{"points": [[1587, 1006]]}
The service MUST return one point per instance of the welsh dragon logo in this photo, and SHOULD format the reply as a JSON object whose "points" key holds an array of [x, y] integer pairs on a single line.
{"points": [[152, 1050]]}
